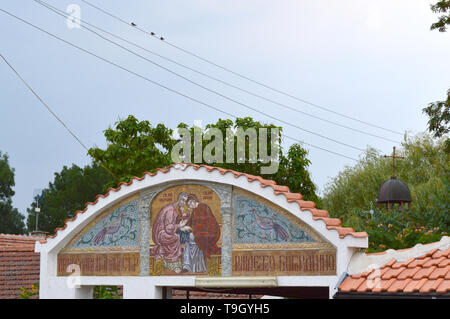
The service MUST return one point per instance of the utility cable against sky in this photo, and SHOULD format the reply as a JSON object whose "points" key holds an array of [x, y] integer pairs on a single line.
{"points": [[158, 84], [79, 20], [213, 91], [53, 113], [164, 40]]}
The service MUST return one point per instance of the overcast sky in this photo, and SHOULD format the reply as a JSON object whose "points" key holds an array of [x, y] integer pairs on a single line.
{"points": [[376, 60]]}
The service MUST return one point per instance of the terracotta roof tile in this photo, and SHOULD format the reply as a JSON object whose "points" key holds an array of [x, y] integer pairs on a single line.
{"points": [[399, 285], [383, 270], [319, 212], [402, 264], [434, 261], [444, 287], [381, 285], [431, 253], [19, 264], [428, 273], [419, 262], [351, 284], [364, 286], [445, 262], [424, 273], [277, 189], [440, 272], [392, 273], [442, 253], [329, 221], [389, 263], [414, 285], [408, 273], [431, 285], [363, 275], [291, 197]]}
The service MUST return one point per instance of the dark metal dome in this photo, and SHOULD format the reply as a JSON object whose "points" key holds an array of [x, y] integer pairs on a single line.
{"points": [[394, 191]]}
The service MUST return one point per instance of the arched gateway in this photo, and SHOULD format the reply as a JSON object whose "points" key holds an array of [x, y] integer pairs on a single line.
{"points": [[198, 227]]}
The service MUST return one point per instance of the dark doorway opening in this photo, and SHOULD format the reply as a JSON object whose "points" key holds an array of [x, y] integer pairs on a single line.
{"points": [[246, 293]]}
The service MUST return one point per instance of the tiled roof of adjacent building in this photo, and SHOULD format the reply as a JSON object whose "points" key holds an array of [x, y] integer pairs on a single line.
{"points": [[318, 214], [428, 273], [19, 264]]}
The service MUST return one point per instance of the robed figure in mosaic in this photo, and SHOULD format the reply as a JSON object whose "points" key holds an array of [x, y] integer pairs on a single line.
{"points": [[203, 237], [165, 234]]}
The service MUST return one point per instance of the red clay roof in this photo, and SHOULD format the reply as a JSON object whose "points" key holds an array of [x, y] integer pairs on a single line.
{"points": [[19, 264], [429, 273], [10, 242], [331, 223]]}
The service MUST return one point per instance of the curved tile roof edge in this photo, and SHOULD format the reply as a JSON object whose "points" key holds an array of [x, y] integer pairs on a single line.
{"points": [[361, 261], [21, 237], [318, 214], [424, 268]]}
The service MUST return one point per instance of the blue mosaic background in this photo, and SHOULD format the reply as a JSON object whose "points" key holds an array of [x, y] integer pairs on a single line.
{"points": [[119, 228], [255, 223]]}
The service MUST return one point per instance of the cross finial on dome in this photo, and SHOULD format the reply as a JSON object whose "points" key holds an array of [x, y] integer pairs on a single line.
{"points": [[394, 157]]}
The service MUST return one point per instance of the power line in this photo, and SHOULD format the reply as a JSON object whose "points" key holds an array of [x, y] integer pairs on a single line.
{"points": [[60, 12], [158, 84], [164, 40], [51, 111], [213, 91], [43, 103]]}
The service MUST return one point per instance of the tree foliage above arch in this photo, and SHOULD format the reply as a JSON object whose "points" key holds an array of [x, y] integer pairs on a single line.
{"points": [[11, 221], [441, 7], [134, 147]]}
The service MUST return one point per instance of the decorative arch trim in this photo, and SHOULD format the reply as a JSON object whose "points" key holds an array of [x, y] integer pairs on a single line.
{"points": [[318, 219]]}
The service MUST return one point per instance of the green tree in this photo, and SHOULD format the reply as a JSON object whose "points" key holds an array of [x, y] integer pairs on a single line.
{"points": [[70, 190], [443, 7], [439, 118], [6, 178], [107, 292], [135, 147], [438, 112], [294, 173], [352, 195], [11, 220]]}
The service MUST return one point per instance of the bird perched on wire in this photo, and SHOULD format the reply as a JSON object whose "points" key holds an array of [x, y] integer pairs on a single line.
{"points": [[133, 24], [109, 229], [152, 33], [267, 223], [161, 38]]}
